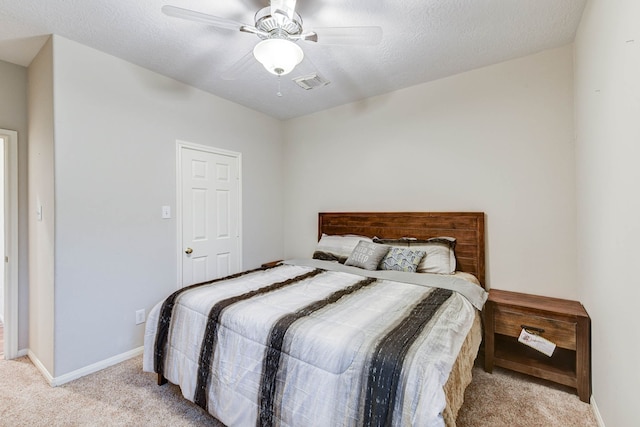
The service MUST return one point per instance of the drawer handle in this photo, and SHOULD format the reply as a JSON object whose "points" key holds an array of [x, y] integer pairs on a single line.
{"points": [[532, 329]]}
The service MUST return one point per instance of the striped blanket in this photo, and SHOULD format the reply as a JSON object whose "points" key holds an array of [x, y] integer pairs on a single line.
{"points": [[298, 345]]}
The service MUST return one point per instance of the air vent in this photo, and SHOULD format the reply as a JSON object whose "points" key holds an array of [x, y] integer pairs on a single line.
{"points": [[312, 81]]}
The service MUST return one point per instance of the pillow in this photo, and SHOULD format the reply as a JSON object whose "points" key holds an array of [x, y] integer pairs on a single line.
{"points": [[367, 255], [337, 248], [440, 258], [402, 259]]}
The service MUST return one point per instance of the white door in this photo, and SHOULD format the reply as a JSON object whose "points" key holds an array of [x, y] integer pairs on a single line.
{"points": [[210, 213]]}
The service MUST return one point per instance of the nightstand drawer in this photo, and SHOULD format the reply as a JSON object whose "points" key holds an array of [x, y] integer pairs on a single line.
{"points": [[510, 321]]}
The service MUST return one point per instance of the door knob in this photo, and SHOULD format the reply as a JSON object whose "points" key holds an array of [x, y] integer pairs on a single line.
{"points": [[188, 251]]}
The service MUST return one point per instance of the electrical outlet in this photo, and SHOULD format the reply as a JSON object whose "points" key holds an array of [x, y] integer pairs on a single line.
{"points": [[140, 316]]}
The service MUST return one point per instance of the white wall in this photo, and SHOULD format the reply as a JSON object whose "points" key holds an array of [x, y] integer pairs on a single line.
{"points": [[607, 96], [497, 139], [41, 233], [116, 127], [13, 116], [3, 142]]}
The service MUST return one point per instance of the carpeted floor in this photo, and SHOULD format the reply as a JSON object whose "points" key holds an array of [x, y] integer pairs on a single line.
{"points": [[123, 395], [510, 399]]}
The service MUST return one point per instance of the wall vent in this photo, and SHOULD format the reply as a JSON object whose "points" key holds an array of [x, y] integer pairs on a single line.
{"points": [[311, 81]]}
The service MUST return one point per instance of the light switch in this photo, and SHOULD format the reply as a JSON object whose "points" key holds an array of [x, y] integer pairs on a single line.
{"points": [[166, 212]]}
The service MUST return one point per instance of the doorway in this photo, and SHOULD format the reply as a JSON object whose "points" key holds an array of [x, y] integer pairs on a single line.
{"points": [[208, 213], [9, 241]]}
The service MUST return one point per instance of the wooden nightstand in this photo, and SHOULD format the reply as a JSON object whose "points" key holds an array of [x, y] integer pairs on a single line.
{"points": [[271, 264], [564, 322]]}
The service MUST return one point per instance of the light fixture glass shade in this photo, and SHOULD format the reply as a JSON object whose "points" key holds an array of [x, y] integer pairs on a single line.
{"points": [[278, 56]]}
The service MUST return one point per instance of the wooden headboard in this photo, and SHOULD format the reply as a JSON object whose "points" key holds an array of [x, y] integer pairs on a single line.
{"points": [[466, 227]]}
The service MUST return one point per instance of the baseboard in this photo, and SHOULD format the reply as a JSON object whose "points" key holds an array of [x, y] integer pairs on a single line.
{"points": [[36, 362], [596, 412], [79, 373]]}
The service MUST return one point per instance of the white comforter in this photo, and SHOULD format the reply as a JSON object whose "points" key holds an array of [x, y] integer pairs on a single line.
{"points": [[328, 369]]}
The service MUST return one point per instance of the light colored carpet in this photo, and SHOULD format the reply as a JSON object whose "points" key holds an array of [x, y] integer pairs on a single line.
{"points": [[510, 399], [123, 395]]}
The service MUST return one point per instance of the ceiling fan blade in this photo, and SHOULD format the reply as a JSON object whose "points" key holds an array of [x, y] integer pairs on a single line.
{"points": [[283, 7], [192, 15], [238, 68], [367, 36]]}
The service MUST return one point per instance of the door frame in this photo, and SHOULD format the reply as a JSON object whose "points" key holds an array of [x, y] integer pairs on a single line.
{"points": [[180, 146], [11, 289]]}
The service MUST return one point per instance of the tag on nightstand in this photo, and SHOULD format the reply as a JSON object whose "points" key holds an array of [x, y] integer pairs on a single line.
{"points": [[537, 342]]}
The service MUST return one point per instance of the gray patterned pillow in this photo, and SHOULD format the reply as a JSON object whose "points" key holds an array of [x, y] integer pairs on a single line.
{"points": [[401, 259], [367, 255]]}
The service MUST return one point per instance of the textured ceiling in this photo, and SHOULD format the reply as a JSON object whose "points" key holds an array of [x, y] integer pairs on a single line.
{"points": [[423, 40]]}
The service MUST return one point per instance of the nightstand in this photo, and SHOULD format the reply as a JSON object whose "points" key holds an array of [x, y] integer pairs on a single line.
{"points": [[271, 264], [564, 322]]}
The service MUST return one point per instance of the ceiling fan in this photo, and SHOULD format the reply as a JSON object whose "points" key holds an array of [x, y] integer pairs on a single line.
{"points": [[280, 28]]}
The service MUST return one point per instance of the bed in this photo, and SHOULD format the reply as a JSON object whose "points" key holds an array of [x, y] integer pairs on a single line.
{"points": [[315, 342]]}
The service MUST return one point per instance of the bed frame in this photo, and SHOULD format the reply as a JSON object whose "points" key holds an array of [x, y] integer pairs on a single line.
{"points": [[468, 230], [466, 227]]}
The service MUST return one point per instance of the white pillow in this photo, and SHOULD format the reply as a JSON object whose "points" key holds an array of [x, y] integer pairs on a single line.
{"points": [[337, 248], [440, 257]]}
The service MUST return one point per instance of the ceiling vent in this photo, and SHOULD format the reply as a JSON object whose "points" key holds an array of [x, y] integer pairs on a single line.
{"points": [[311, 81]]}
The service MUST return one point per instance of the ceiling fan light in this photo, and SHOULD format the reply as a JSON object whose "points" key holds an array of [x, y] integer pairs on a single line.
{"points": [[278, 56]]}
